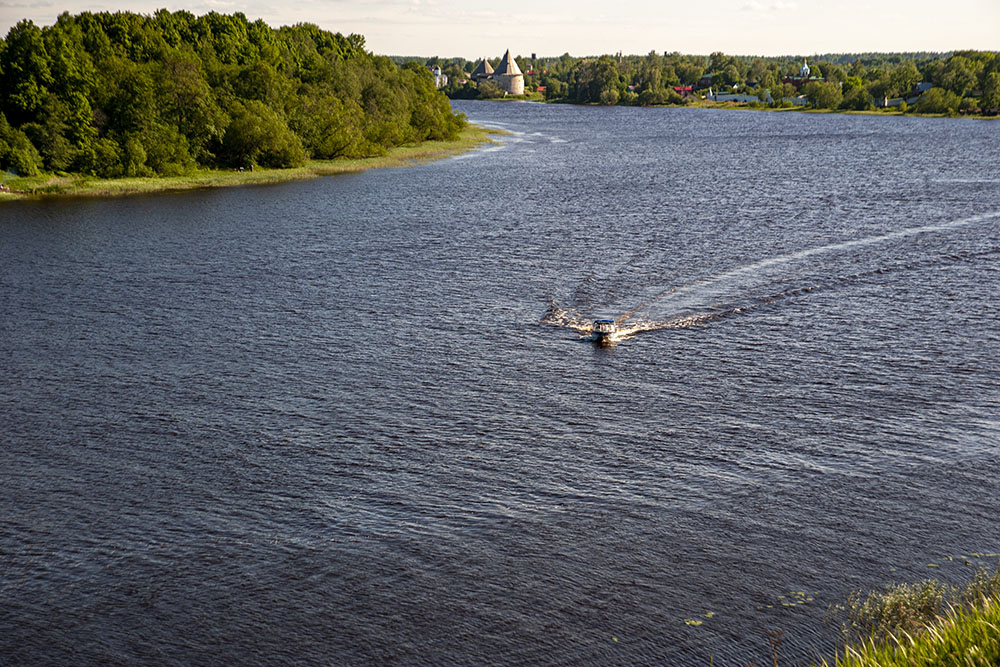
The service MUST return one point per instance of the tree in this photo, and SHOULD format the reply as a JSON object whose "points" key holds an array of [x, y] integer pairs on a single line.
{"points": [[26, 71], [823, 95], [858, 99], [594, 78], [960, 75], [556, 89], [904, 78], [991, 92], [257, 136], [329, 127], [690, 73], [490, 91], [122, 93], [938, 100], [17, 154]]}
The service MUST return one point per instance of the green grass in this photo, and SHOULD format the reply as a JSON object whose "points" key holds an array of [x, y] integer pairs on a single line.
{"points": [[63, 184], [928, 623], [963, 636]]}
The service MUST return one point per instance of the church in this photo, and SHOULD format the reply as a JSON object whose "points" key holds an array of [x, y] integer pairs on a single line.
{"points": [[507, 74]]}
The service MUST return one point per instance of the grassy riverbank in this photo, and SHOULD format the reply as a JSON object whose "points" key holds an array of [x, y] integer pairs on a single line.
{"points": [[76, 185], [928, 623], [969, 636], [892, 111]]}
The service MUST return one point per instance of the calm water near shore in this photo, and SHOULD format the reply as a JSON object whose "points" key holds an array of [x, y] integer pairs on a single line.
{"points": [[352, 420]]}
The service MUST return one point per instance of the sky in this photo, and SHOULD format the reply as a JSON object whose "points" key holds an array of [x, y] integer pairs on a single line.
{"points": [[472, 30]]}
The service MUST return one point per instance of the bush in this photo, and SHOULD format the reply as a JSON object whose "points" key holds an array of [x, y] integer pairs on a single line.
{"points": [[909, 608], [938, 100], [490, 91], [924, 624], [609, 97], [257, 136], [824, 95], [903, 607], [17, 153]]}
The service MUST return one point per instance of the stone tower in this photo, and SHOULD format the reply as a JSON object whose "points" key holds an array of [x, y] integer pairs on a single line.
{"points": [[508, 75]]}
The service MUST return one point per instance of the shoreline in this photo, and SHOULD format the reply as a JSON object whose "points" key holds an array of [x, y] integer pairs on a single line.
{"points": [[63, 185], [744, 106]]}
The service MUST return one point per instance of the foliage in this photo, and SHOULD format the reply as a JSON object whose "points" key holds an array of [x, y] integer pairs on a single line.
{"points": [[489, 91], [857, 99], [16, 152], [905, 608], [203, 177], [964, 636], [845, 81], [123, 94], [938, 100], [823, 95], [882, 617]]}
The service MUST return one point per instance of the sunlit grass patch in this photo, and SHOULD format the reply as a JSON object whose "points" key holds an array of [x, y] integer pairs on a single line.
{"points": [[927, 623]]}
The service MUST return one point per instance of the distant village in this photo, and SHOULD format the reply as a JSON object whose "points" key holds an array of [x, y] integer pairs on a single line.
{"points": [[507, 75], [962, 82]]}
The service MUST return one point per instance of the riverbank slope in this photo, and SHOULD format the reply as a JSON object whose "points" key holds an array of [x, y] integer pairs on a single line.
{"points": [[77, 185]]}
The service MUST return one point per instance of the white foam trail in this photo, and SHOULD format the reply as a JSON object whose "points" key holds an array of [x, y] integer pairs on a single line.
{"points": [[584, 325], [965, 180], [843, 245]]}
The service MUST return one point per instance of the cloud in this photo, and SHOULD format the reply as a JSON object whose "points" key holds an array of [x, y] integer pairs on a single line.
{"points": [[42, 4], [773, 7]]}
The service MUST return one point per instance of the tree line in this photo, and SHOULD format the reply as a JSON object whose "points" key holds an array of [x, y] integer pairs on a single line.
{"points": [[963, 81], [125, 94]]}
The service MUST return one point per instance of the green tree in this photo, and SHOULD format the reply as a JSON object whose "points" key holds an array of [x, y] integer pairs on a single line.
{"points": [[329, 127], [556, 89], [17, 153], [122, 93], [960, 75], [690, 73], [903, 78], [594, 79], [858, 99], [257, 136], [823, 95], [26, 74], [490, 91], [938, 100], [991, 92]]}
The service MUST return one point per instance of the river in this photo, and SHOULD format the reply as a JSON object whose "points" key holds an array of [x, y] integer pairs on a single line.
{"points": [[355, 420]]}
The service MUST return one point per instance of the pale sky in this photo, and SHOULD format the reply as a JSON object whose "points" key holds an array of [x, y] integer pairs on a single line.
{"points": [[449, 28]]}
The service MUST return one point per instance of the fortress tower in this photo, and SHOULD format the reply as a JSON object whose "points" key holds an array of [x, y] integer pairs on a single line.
{"points": [[508, 75]]}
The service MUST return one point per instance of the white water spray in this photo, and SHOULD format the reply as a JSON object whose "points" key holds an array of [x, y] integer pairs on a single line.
{"points": [[695, 290]]}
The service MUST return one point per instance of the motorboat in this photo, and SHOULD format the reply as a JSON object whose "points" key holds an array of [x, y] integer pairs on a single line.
{"points": [[604, 330]]}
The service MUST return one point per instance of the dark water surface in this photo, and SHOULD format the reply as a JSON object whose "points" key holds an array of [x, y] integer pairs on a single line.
{"points": [[347, 420]]}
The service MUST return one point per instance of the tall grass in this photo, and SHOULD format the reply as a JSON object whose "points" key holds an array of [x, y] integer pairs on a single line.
{"points": [[928, 623]]}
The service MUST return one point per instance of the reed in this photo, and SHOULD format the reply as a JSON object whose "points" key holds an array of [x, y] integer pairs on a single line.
{"points": [[927, 623]]}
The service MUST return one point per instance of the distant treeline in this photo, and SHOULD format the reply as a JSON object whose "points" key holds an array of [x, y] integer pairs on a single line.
{"points": [[116, 94], [967, 81]]}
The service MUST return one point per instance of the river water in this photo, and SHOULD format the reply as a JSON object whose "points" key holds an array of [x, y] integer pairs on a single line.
{"points": [[353, 420]]}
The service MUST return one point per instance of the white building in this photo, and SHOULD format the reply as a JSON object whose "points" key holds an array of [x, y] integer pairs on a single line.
{"points": [[440, 79]]}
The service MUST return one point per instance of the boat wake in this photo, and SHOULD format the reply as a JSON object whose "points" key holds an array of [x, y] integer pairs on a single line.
{"points": [[745, 288]]}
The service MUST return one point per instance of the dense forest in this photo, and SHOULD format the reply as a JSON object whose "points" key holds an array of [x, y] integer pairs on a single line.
{"points": [[124, 94], [964, 81]]}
